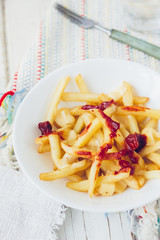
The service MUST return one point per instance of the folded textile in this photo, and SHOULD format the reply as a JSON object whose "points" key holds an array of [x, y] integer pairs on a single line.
{"points": [[25, 212]]}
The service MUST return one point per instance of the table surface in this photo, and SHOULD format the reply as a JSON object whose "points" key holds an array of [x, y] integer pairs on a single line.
{"points": [[19, 22]]}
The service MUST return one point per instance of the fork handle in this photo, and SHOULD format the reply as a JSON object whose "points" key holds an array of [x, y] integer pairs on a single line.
{"points": [[136, 43]]}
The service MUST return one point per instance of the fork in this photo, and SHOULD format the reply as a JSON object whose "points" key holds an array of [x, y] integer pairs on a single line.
{"points": [[125, 38]]}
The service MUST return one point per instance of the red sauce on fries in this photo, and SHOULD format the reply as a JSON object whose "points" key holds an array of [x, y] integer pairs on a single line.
{"points": [[125, 164], [134, 108], [101, 106], [115, 155], [125, 169], [112, 125], [102, 152], [142, 140], [85, 130], [135, 142], [84, 153], [45, 128]]}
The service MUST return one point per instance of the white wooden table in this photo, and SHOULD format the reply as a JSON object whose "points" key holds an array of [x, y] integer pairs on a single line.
{"points": [[19, 21]]}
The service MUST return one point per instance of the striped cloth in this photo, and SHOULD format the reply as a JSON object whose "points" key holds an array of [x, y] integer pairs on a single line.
{"points": [[61, 42]]}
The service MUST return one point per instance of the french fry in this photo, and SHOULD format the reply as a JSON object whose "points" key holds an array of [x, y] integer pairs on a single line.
{"points": [[79, 124], [106, 130], [123, 120], [120, 186], [80, 97], [151, 166], [112, 178], [155, 158], [141, 180], [136, 100], [149, 149], [105, 189], [81, 173], [137, 111], [132, 182], [42, 140], [98, 136], [152, 135], [133, 124], [71, 137], [83, 186], [74, 178], [140, 100], [87, 118], [81, 84], [140, 119], [56, 153], [84, 139], [103, 97], [140, 160], [152, 123], [118, 93], [128, 101], [87, 172], [119, 139], [65, 172], [93, 176], [106, 133], [123, 128], [138, 170], [94, 127], [85, 96], [77, 111], [68, 159], [42, 148], [79, 152], [127, 95], [96, 141], [83, 120], [64, 117], [109, 165], [52, 111], [62, 132], [155, 174]]}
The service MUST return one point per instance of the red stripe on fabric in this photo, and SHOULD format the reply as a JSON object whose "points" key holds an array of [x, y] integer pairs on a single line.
{"points": [[5, 95], [14, 85], [127, 48], [39, 54]]}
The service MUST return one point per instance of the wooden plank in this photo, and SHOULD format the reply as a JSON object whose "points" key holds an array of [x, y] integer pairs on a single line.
{"points": [[68, 224], [73, 227], [79, 228], [115, 226], [22, 23], [125, 226], [80, 225], [96, 226]]}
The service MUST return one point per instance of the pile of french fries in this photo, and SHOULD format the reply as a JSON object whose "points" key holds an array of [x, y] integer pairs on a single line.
{"points": [[80, 139]]}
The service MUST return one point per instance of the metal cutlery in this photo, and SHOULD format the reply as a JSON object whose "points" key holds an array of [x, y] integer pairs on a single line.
{"points": [[125, 38]]}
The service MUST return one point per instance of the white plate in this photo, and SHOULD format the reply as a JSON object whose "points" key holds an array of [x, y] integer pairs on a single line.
{"points": [[101, 75]]}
